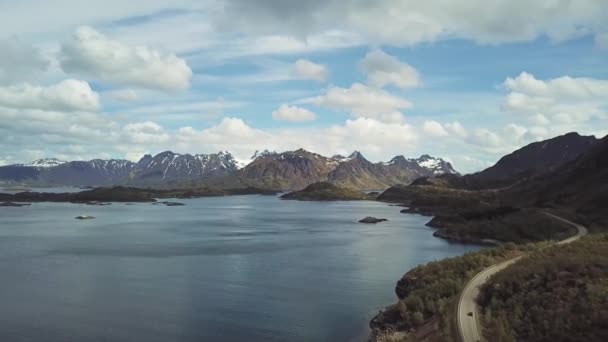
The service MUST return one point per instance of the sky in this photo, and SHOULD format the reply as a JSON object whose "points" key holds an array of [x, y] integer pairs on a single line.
{"points": [[466, 80]]}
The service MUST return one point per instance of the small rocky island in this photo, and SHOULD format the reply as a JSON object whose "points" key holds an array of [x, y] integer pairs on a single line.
{"points": [[325, 191], [371, 219]]}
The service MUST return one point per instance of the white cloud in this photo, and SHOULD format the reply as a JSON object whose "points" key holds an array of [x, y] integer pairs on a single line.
{"points": [[371, 136], [90, 53], [383, 69], [457, 129], [510, 137], [124, 95], [134, 156], [293, 114], [62, 15], [434, 129], [363, 101], [564, 99], [409, 22], [67, 95], [147, 132], [20, 61], [307, 70], [561, 87], [378, 140]]}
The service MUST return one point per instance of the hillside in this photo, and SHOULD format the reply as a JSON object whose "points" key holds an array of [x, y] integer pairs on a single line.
{"points": [[556, 294], [578, 187], [297, 169], [528, 162], [288, 170], [427, 296], [325, 191]]}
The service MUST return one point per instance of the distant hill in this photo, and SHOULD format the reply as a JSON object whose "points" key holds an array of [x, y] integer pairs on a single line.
{"points": [[325, 191], [165, 168], [581, 184], [269, 170], [577, 186], [297, 169], [527, 162]]}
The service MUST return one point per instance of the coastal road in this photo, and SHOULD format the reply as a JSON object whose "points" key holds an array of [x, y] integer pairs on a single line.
{"points": [[468, 326]]}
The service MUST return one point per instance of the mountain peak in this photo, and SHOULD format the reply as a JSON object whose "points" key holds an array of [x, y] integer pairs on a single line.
{"points": [[259, 153], [356, 155], [397, 160], [46, 163]]}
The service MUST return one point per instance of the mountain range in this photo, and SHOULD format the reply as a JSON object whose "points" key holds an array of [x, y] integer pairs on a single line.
{"points": [[270, 170]]}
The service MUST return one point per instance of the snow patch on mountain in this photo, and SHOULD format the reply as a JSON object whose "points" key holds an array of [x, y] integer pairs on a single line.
{"points": [[45, 163]]}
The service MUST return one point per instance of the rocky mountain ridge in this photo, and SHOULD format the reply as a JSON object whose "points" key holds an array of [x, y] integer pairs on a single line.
{"points": [[271, 170], [528, 162]]}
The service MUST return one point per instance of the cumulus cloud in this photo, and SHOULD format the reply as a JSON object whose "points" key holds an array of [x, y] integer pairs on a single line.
{"points": [[92, 54], [434, 129], [55, 133], [564, 99], [307, 70], [293, 114], [486, 139], [371, 136], [67, 95], [363, 101], [510, 137], [147, 132], [457, 129], [383, 69], [565, 86], [20, 61], [379, 140]]}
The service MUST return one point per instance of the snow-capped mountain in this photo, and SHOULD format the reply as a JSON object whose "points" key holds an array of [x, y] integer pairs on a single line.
{"points": [[174, 167], [286, 170], [165, 167], [296, 169], [45, 163], [437, 165], [92, 172]]}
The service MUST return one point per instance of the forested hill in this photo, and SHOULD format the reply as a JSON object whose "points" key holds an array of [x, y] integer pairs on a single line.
{"points": [[557, 294]]}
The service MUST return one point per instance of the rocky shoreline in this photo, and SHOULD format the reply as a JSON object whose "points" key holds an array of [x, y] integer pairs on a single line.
{"points": [[105, 196], [325, 191]]}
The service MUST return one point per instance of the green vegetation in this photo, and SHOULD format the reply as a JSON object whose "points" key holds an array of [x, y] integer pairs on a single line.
{"points": [[502, 224], [428, 295], [325, 191], [556, 294]]}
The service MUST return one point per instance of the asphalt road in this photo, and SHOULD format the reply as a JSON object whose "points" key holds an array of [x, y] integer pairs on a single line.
{"points": [[468, 326]]}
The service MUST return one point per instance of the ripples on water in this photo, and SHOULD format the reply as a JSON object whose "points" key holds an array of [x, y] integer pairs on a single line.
{"points": [[243, 268]]}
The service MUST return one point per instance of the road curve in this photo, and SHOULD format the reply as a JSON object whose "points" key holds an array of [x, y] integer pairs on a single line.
{"points": [[468, 326]]}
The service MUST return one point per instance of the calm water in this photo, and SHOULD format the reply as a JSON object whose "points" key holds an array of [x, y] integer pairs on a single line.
{"points": [[245, 268]]}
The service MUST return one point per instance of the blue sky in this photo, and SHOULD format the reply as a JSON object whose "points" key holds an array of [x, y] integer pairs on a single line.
{"points": [[116, 80]]}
